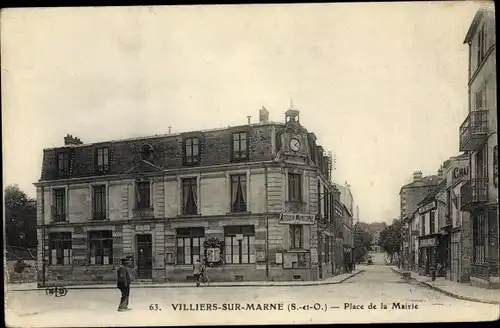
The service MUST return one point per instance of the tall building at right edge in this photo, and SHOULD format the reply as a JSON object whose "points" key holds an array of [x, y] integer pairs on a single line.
{"points": [[478, 139]]}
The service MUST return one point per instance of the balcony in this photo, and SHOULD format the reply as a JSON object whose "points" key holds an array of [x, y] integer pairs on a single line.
{"points": [[143, 213], [473, 131], [295, 207], [474, 193]]}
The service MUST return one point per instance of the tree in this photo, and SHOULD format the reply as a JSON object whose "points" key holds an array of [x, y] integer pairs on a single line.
{"points": [[20, 218], [362, 242], [390, 239]]}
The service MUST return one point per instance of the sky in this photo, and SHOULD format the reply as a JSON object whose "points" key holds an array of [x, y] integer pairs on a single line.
{"points": [[382, 85]]}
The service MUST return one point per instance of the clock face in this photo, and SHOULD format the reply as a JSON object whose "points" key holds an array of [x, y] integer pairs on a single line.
{"points": [[295, 144]]}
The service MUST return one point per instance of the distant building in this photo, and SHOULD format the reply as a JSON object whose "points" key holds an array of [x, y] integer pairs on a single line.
{"points": [[255, 202], [410, 196]]}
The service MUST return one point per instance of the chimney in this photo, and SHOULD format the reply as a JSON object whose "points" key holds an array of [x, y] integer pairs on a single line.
{"points": [[169, 129], [248, 118], [70, 140], [440, 173], [263, 115], [417, 176]]}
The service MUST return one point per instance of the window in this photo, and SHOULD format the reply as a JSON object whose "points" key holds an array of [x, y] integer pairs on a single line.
{"points": [[190, 244], [479, 238], [102, 157], [422, 220], [240, 146], [325, 196], [189, 200], [99, 202], [59, 207], [238, 193], [481, 163], [294, 187], [240, 244], [319, 198], [60, 248], [432, 219], [63, 164], [479, 98], [143, 195], [327, 249], [296, 236], [191, 150], [481, 46], [101, 247]]}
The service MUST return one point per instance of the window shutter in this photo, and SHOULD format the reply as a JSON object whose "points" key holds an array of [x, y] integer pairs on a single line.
{"points": [[306, 233]]}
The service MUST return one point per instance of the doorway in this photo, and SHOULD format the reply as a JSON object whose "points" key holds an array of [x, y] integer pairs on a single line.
{"points": [[144, 256]]}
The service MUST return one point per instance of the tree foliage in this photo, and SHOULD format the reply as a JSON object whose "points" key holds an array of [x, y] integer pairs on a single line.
{"points": [[20, 218], [390, 239], [362, 242]]}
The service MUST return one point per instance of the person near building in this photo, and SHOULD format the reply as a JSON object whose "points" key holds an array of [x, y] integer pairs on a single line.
{"points": [[197, 271], [123, 284]]}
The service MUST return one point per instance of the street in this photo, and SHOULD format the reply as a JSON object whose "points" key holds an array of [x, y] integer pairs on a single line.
{"points": [[377, 285]]}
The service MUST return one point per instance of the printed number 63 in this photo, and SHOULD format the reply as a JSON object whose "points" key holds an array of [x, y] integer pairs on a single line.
{"points": [[154, 307]]}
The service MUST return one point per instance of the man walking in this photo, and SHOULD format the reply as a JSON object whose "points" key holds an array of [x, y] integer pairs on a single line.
{"points": [[197, 271], [123, 283]]}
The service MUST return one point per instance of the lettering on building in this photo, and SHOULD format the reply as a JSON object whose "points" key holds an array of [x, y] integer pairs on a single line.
{"points": [[296, 218], [428, 242], [427, 207], [461, 173]]}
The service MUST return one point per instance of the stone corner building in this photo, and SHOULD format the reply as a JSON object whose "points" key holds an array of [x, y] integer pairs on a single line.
{"points": [[256, 202]]}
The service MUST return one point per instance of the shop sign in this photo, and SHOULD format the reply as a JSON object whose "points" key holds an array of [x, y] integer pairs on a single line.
{"points": [[428, 242], [461, 173], [427, 207], [296, 218]]}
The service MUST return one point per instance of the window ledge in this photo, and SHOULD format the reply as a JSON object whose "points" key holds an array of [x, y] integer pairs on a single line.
{"points": [[104, 266], [59, 222], [239, 213], [296, 250], [60, 266], [189, 216]]}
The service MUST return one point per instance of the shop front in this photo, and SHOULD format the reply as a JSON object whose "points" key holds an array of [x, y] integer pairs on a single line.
{"points": [[455, 256], [427, 255]]}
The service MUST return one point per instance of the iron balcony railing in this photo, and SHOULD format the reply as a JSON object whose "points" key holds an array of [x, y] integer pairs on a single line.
{"points": [[474, 192], [295, 207], [143, 213], [473, 130]]}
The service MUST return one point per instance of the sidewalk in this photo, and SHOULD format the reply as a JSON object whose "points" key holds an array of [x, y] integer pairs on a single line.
{"points": [[455, 289], [329, 281]]}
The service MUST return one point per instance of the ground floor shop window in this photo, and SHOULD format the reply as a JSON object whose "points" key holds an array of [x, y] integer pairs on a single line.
{"points": [[239, 244], [60, 248], [479, 238], [190, 245], [101, 247], [296, 260]]}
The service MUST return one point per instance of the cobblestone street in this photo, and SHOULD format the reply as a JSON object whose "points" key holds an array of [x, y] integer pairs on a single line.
{"points": [[378, 284]]}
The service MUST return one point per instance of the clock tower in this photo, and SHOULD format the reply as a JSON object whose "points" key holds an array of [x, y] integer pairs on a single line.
{"points": [[292, 139]]}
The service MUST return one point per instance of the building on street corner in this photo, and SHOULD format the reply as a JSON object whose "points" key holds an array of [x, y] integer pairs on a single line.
{"points": [[255, 202], [478, 139]]}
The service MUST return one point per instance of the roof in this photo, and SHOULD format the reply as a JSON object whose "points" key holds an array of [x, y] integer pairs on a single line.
{"points": [[156, 136], [432, 194], [430, 180], [473, 26]]}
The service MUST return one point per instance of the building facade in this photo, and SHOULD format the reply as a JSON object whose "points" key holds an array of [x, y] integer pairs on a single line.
{"points": [[410, 196], [457, 224], [478, 138], [253, 202]]}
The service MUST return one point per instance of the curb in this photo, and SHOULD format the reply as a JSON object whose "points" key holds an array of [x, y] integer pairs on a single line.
{"points": [[460, 297], [82, 287]]}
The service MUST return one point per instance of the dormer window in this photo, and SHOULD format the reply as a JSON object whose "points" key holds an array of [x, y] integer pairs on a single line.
{"points": [[191, 150], [102, 160], [240, 146], [63, 164], [147, 153]]}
